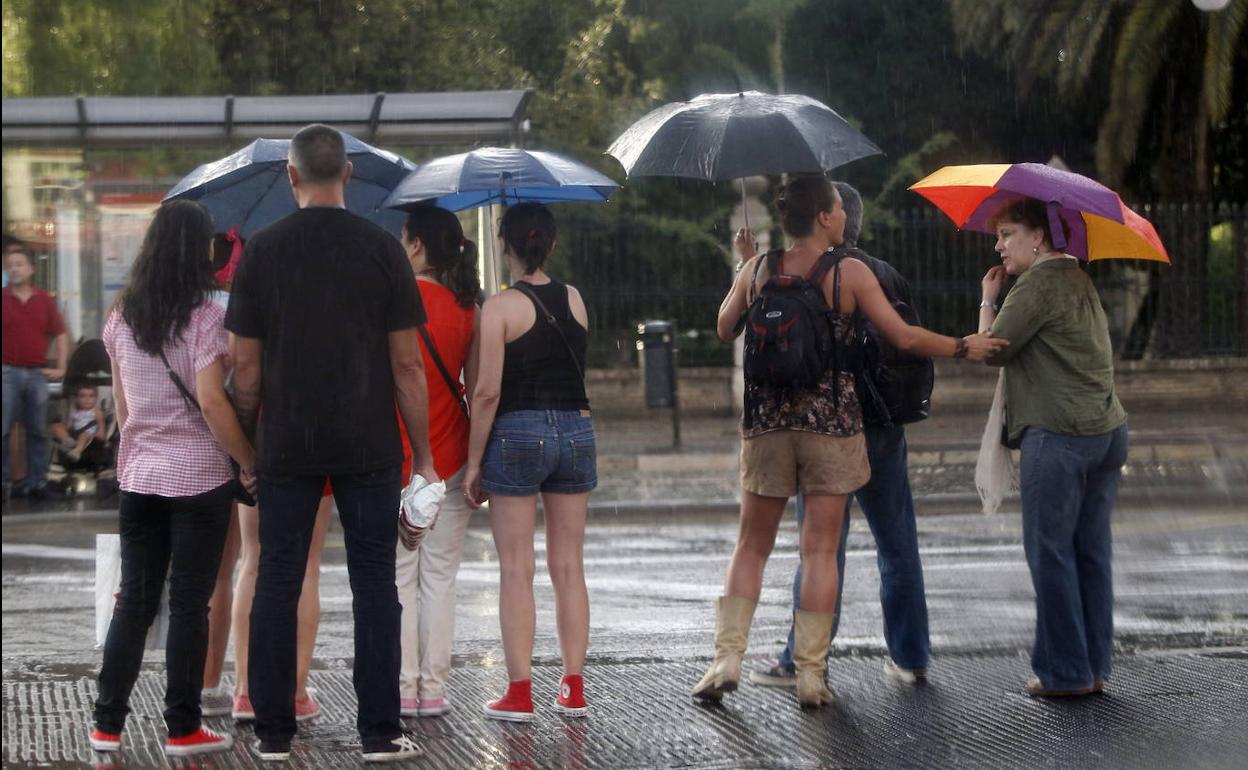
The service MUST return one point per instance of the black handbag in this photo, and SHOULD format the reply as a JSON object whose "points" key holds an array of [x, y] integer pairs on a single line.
{"points": [[238, 491]]}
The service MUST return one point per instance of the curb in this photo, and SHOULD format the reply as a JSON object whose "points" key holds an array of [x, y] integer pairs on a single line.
{"points": [[933, 504]]}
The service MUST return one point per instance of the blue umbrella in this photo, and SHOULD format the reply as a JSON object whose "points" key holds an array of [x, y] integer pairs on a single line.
{"points": [[500, 175], [249, 188]]}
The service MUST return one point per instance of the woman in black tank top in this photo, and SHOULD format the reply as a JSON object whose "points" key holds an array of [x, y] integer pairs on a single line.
{"points": [[532, 434]]}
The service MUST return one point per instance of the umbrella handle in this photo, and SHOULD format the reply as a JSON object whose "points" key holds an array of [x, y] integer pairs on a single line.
{"points": [[1055, 226], [745, 209]]}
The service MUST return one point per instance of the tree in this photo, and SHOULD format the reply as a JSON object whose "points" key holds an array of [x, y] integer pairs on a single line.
{"points": [[1154, 122]]}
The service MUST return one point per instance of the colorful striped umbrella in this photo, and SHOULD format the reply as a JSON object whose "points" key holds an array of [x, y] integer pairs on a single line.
{"points": [[1086, 218]]}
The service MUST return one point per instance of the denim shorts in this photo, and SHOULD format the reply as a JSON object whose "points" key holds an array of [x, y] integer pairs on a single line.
{"points": [[533, 451]]}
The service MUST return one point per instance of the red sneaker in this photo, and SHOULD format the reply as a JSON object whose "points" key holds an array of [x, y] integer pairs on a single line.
{"points": [[306, 708], [102, 741], [202, 741], [516, 705], [571, 700], [242, 710]]}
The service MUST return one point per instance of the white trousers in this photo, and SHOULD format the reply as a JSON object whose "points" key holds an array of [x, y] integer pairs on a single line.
{"points": [[426, 582]]}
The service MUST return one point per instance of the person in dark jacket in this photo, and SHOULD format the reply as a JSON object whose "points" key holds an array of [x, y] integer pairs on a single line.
{"points": [[886, 499]]}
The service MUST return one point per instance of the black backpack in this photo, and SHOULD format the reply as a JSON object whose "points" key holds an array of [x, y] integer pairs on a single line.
{"points": [[895, 388], [789, 340]]}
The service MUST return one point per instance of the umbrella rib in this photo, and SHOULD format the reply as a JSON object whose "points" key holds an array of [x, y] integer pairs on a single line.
{"points": [[247, 215]]}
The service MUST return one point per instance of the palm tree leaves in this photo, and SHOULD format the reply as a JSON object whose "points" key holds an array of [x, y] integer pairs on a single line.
{"points": [[1067, 41], [1225, 32]]}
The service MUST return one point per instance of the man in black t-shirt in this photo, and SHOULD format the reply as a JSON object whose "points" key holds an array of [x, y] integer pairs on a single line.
{"points": [[325, 308]]}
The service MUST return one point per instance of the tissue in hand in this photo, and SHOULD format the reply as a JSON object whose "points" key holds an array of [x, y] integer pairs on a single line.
{"points": [[418, 508]]}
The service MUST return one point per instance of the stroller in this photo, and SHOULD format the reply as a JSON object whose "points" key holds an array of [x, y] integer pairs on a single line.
{"points": [[92, 471]]}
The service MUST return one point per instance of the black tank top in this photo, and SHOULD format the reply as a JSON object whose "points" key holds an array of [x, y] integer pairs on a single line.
{"points": [[538, 372]]}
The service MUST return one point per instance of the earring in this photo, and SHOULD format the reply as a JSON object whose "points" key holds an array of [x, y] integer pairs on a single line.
{"points": [[1035, 250]]}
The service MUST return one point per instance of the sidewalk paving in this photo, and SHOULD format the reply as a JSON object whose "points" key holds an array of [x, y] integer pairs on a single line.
{"points": [[1160, 710]]}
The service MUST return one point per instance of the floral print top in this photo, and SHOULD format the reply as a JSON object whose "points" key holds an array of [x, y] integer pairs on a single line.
{"points": [[829, 408]]}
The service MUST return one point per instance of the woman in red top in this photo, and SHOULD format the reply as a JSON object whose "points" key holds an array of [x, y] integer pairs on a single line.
{"points": [[446, 274]]}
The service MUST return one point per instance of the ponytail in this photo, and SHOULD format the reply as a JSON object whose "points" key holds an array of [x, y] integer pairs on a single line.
{"points": [[451, 257]]}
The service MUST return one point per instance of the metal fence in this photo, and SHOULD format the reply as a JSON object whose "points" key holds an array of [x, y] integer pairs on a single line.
{"points": [[1197, 306]]}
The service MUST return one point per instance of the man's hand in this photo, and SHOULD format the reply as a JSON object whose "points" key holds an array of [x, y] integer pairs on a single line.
{"points": [[53, 374]]}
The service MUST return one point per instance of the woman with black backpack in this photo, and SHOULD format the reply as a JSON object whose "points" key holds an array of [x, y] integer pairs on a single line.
{"points": [[802, 422]]}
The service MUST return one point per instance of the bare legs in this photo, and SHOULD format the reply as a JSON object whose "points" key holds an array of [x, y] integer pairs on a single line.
{"points": [[220, 606], [309, 598], [820, 538], [513, 520]]}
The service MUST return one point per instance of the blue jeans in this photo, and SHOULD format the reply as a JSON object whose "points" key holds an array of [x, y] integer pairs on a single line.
{"points": [[889, 507], [26, 399], [182, 537], [540, 450], [1068, 486], [368, 505]]}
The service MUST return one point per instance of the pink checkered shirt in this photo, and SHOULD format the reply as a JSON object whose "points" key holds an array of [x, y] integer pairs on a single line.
{"points": [[166, 447]]}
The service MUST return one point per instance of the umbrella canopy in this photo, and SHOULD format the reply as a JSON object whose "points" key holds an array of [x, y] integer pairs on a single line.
{"points": [[500, 175], [249, 188], [1098, 225], [726, 136]]}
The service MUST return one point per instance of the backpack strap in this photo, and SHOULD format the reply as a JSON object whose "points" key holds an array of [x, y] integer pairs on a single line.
{"points": [[828, 260]]}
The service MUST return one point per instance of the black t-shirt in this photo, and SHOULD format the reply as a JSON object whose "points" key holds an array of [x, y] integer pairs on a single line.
{"points": [[323, 288]]}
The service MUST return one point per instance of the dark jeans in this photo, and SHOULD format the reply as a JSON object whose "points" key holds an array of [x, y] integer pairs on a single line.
{"points": [[26, 399], [182, 537], [368, 506], [1068, 488], [889, 507]]}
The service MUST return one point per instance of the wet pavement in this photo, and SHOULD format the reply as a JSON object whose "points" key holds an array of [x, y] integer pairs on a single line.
{"points": [[1176, 699]]}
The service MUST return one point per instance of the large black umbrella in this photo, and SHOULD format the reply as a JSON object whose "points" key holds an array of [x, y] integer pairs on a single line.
{"points": [[731, 136]]}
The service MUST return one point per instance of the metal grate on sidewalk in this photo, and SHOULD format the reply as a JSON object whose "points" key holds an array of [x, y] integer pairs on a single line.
{"points": [[1186, 710]]}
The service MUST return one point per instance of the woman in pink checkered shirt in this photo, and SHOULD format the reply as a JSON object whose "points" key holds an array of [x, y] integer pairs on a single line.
{"points": [[173, 469]]}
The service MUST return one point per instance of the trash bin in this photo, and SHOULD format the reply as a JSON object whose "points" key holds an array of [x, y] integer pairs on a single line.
{"points": [[657, 349]]}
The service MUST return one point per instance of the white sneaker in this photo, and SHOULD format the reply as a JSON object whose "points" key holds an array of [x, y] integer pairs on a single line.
{"points": [[402, 747], [215, 701], [913, 676]]}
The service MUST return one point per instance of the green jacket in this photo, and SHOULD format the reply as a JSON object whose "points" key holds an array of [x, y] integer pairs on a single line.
{"points": [[1059, 369]]}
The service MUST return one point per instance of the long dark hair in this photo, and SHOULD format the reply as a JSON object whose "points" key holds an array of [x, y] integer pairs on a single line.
{"points": [[171, 276], [529, 231], [451, 256]]}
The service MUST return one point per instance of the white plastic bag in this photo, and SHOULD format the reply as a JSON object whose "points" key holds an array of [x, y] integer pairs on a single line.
{"points": [[418, 509], [107, 586], [996, 471]]}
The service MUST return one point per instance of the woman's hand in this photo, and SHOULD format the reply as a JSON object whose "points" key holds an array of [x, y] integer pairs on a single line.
{"points": [[472, 486], [994, 281], [983, 345], [247, 476], [747, 247]]}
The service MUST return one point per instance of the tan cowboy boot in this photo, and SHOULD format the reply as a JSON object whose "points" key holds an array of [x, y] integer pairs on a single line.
{"points": [[732, 629], [812, 632]]}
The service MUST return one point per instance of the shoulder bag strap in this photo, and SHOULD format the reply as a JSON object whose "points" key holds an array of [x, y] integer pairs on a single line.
{"points": [[185, 391], [437, 361], [527, 291]]}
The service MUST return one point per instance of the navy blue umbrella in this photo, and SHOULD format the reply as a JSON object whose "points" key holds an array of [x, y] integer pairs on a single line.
{"points": [[249, 188], [500, 175]]}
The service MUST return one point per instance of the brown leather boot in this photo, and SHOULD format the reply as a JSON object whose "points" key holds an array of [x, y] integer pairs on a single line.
{"points": [[732, 630], [812, 632]]}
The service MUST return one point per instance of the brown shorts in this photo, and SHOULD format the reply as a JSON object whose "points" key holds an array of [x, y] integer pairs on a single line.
{"points": [[781, 463]]}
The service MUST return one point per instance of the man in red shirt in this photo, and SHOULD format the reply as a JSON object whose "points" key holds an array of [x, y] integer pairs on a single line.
{"points": [[30, 321]]}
